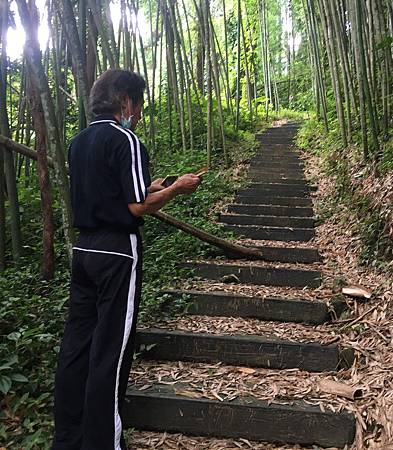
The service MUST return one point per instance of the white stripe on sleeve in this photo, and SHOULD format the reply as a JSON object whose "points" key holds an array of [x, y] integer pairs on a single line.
{"points": [[140, 172], [137, 192]]}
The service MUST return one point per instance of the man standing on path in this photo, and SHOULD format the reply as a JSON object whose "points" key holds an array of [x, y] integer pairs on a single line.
{"points": [[110, 190]]}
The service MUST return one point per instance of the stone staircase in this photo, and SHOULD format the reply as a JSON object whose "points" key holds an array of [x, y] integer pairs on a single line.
{"points": [[275, 206]]}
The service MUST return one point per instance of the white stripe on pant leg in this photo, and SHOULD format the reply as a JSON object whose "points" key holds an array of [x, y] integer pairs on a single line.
{"points": [[127, 330]]}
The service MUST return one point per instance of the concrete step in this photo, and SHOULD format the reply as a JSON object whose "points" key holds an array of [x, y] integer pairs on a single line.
{"points": [[269, 210], [227, 304], [272, 233], [239, 350], [165, 409], [269, 221], [252, 274]]}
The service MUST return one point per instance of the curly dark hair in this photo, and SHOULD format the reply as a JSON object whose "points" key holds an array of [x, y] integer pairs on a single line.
{"points": [[112, 87]]}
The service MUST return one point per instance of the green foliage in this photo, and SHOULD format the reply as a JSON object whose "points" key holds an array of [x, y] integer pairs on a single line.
{"points": [[33, 311], [31, 319]]}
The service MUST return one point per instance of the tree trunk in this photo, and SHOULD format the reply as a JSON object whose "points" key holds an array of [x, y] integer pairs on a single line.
{"points": [[48, 263], [33, 57], [9, 167]]}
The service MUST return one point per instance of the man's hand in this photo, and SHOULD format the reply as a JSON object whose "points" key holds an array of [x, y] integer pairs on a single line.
{"points": [[187, 184], [156, 186]]}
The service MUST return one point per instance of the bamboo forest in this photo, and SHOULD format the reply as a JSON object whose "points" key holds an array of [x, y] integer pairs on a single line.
{"points": [[264, 161]]}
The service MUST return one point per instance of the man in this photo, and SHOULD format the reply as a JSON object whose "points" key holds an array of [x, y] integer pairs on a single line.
{"points": [[110, 190]]}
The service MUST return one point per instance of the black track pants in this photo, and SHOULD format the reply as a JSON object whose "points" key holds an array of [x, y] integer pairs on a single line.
{"points": [[97, 348]]}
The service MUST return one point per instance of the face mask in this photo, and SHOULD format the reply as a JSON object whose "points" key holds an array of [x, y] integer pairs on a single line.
{"points": [[126, 123]]}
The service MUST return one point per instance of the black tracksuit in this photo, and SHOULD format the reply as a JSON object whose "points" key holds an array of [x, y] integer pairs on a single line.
{"points": [[109, 168]]}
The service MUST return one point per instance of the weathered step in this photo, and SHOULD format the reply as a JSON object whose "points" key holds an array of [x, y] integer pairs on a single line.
{"points": [[291, 162], [238, 350], [269, 210], [301, 186], [164, 409], [252, 274], [227, 304], [284, 144], [284, 140], [284, 163], [281, 149], [273, 191], [278, 167], [276, 200], [276, 172], [289, 254], [284, 188], [274, 158], [272, 233], [261, 176], [294, 423], [275, 168], [257, 179], [277, 152], [267, 140], [286, 160], [272, 221], [279, 132], [264, 176]]}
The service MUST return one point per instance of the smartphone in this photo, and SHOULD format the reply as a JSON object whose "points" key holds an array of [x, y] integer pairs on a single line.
{"points": [[169, 180]]}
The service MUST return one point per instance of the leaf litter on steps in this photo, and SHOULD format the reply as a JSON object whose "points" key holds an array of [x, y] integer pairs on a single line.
{"points": [[371, 336], [167, 441], [321, 293], [253, 327]]}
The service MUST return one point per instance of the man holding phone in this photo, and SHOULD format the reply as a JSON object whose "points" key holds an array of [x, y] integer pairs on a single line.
{"points": [[110, 190]]}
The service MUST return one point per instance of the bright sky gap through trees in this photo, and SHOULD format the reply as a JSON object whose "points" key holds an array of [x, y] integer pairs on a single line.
{"points": [[16, 34]]}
